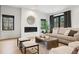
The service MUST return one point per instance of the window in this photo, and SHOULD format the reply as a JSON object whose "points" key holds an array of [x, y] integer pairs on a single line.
{"points": [[7, 22], [56, 22], [44, 25], [43, 21], [59, 21]]}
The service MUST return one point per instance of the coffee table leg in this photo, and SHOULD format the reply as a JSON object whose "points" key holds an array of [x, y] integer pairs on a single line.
{"points": [[38, 49], [17, 42], [24, 50]]}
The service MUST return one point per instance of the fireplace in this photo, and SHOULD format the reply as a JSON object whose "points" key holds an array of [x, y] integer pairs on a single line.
{"points": [[30, 29]]}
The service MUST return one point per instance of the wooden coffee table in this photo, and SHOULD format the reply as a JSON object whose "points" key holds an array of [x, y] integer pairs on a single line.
{"points": [[48, 42]]}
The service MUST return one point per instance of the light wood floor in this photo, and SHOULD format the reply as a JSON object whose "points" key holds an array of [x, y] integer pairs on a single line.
{"points": [[10, 47]]}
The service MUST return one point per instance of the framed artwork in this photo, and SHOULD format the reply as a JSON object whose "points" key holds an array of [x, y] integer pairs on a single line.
{"points": [[7, 22], [30, 20]]}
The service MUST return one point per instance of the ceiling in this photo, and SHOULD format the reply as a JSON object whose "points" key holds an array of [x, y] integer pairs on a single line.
{"points": [[45, 8]]}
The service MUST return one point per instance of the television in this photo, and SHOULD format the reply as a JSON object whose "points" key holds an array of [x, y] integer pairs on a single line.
{"points": [[30, 29]]}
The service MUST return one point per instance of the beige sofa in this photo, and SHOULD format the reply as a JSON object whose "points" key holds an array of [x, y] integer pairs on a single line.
{"points": [[62, 35]]}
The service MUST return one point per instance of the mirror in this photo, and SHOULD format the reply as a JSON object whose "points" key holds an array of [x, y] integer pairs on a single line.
{"points": [[30, 20]]}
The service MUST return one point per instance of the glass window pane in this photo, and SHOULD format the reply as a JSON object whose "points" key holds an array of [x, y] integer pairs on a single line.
{"points": [[56, 21], [61, 21], [7, 22]]}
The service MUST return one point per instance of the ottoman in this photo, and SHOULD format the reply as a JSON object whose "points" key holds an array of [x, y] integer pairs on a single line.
{"points": [[30, 44], [61, 50]]}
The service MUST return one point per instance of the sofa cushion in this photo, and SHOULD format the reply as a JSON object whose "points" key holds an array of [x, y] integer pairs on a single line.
{"points": [[64, 41], [70, 38], [62, 30], [72, 32]]}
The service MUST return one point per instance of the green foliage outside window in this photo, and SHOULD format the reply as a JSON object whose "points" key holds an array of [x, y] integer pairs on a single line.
{"points": [[44, 25]]}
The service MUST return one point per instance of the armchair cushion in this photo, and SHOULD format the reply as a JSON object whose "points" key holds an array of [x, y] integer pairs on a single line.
{"points": [[61, 50], [74, 44]]}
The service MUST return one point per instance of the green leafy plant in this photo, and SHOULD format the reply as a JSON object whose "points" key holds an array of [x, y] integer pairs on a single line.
{"points": [[44, 25]]}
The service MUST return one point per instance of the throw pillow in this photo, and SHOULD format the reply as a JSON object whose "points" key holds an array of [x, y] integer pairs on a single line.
{"points": [[72, 32], [55, 30], [67, 32], [62, 30]]}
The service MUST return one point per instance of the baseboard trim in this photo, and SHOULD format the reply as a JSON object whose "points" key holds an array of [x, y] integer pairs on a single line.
{"points": [[9, 38]]}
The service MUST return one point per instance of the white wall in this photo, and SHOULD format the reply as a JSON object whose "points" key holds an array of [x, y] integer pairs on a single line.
{"points": [[21, 16], [0, 21], [75, 17], [37, 15], [21, 22], [17, 14]]}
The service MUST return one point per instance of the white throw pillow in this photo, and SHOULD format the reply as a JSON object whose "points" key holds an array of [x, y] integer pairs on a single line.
{"points": [[67, 32], [55, 30], [62, 30]]}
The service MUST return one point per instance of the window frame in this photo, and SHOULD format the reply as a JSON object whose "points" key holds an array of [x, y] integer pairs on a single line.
{"points": [[58, 19], [7, 16]]}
